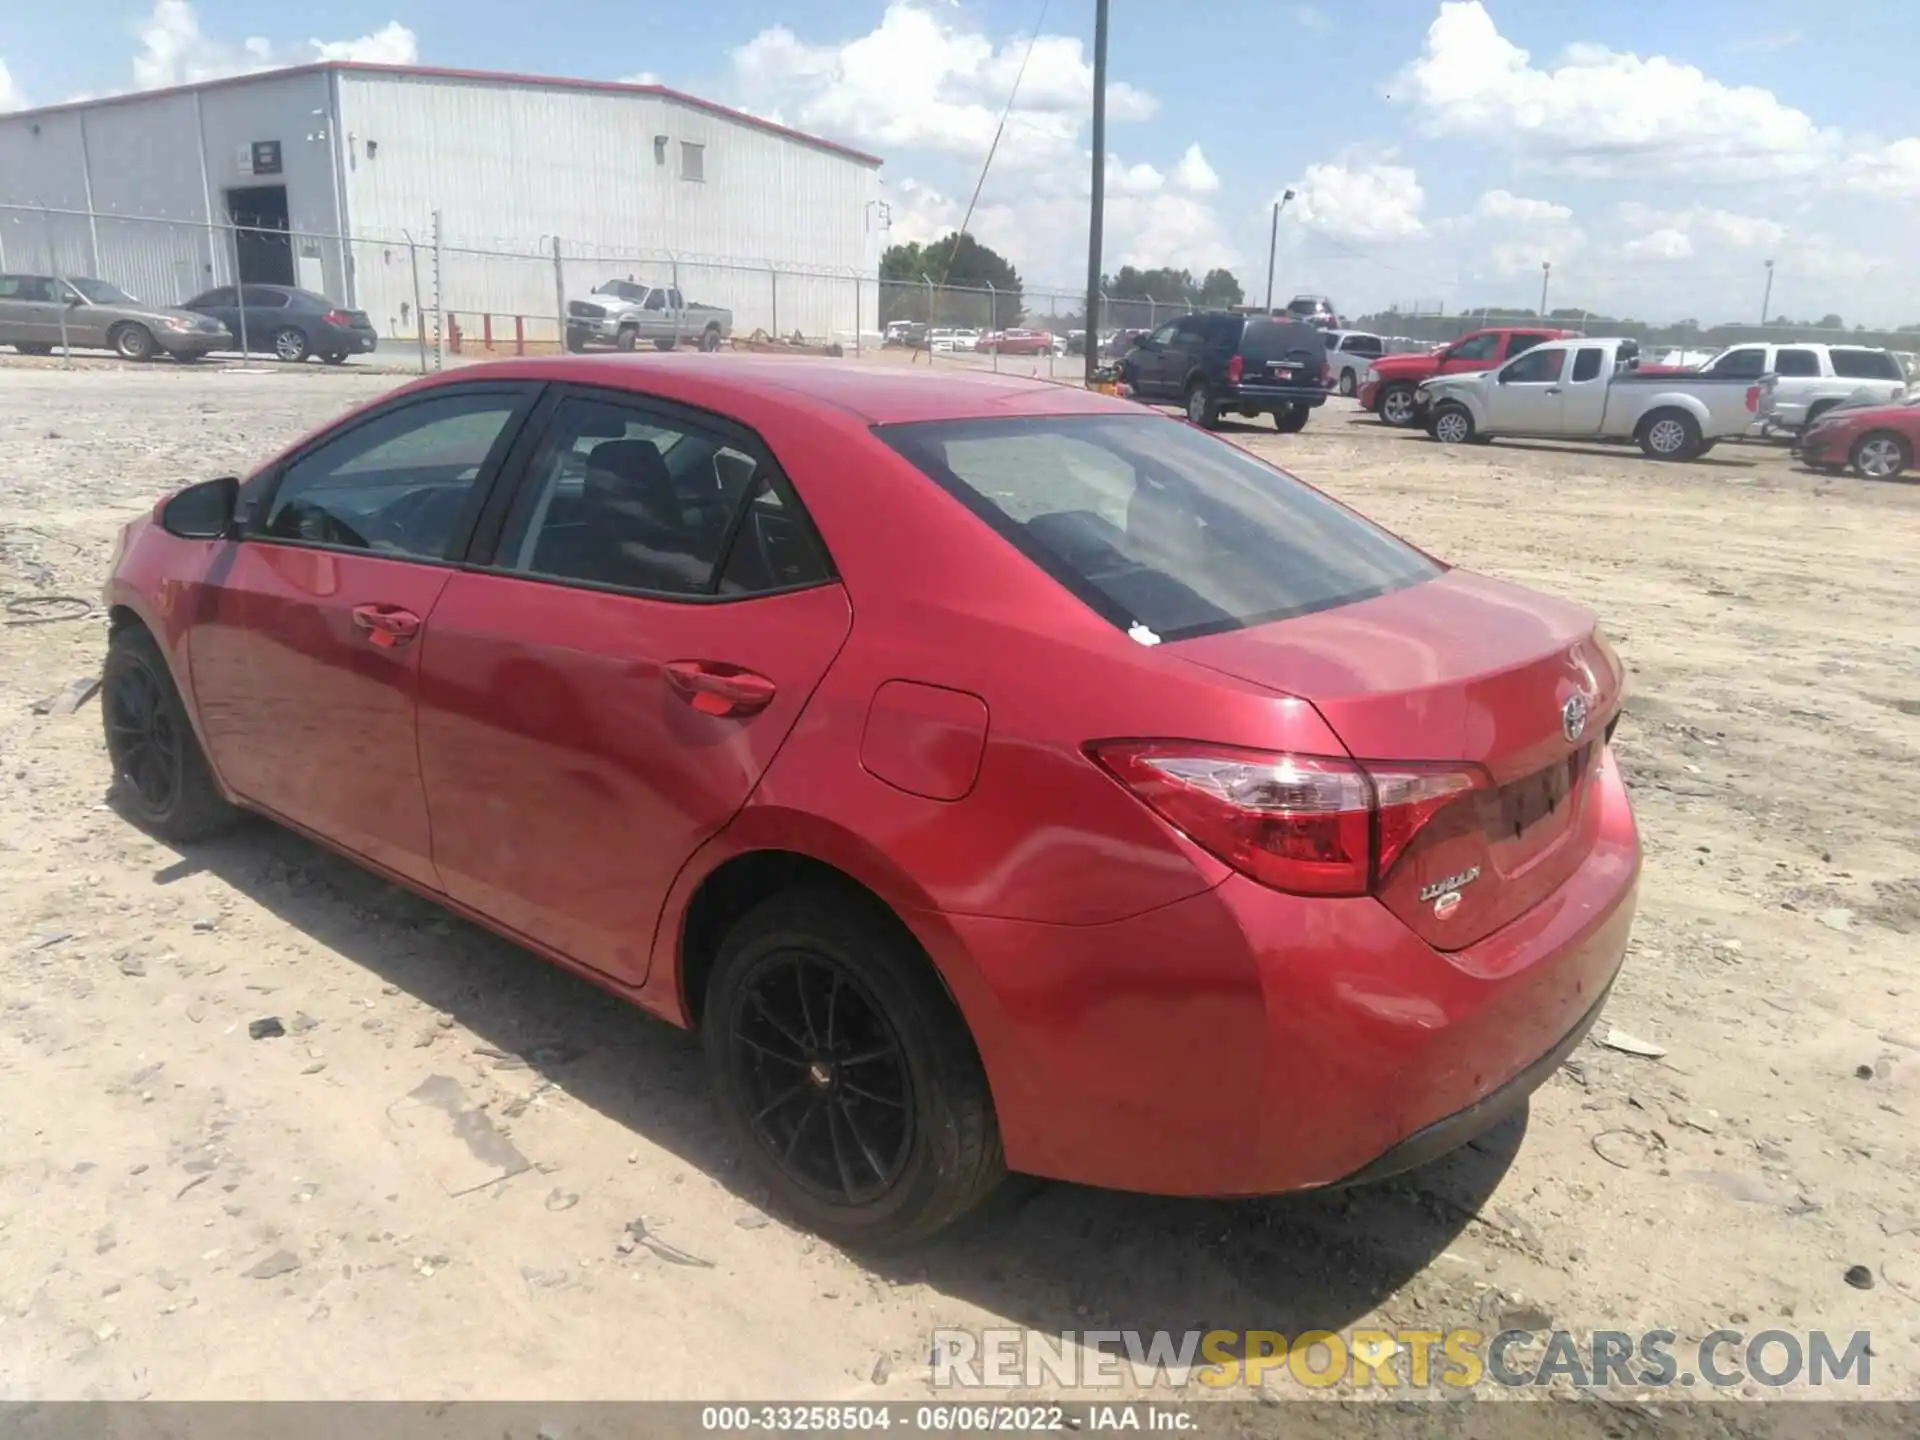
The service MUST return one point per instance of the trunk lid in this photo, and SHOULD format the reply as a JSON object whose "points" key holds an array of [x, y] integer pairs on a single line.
{"points": [[1461, 669]]}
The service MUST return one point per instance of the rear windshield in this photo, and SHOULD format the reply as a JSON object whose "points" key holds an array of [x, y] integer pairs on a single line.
{"points": [[1866, 365], [1277, 339], [1155, 524], [1362, 345]]}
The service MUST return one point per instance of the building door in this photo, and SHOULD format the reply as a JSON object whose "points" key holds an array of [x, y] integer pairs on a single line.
{"points": [[263, 246]]}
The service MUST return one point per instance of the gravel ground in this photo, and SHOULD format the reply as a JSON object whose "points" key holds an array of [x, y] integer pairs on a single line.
{"points": [[189, 1213]]}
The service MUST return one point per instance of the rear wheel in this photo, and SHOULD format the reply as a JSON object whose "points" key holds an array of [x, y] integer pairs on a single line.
{"points": [[1669, 435], [26, 348], [846, 1074], [1451, 424], [1347, 387], [1291, 419], [1881, 455], [132, 342], [158, 768], [1200, 407], [290, 344], [1397, 405]]}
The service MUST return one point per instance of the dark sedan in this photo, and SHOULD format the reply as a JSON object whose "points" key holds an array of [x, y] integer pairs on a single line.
{"points": [[288, 323]]}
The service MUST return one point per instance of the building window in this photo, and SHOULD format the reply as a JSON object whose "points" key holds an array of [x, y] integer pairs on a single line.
{"points": [[693, 161]]}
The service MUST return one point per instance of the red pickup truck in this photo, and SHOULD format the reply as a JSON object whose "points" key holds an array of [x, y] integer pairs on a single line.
{"points": [[1392, 391]]}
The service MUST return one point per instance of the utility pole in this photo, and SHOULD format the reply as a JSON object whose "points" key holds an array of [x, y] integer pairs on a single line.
{"points": [[1546, 271], [1097, 216], [1273, 242], [1766, 299]]}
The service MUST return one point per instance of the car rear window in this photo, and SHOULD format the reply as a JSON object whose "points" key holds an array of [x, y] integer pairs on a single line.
{"points": [[1279, 339], [1165, 531], [1866, 365]]}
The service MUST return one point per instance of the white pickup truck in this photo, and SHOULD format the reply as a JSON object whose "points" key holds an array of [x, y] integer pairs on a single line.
{"points": [[1586, 389], [623, 313]]}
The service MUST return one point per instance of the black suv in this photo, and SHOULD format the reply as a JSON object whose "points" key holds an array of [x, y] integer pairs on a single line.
{"points": [[1216, 364]]}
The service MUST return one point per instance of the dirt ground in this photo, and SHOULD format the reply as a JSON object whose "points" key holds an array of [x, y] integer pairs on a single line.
{"points": [[187, 1212]]}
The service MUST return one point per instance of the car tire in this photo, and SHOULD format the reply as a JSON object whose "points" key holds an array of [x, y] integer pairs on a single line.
{"points": [[1451, 423], [710, 339], [160, 775], [576, 342], [1200, 407], [1669, 435], [132, 342], [1880, 455], [1347, 385], [291, 345], [1291, 419], [1399, 406], [904, 1154], [627, 339], [29, 348]]}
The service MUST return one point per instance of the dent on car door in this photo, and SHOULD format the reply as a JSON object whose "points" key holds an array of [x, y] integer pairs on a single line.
{"points": [[304, 649], [602, 697]]}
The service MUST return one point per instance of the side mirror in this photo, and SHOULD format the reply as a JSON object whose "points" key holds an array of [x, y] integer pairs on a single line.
{"points": [[204, 511], [74, 302]]}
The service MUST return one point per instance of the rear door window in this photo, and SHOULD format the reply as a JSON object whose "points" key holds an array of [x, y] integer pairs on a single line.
{"points": [[1586, 362], [1797, 363], [1865, 364], [1165, 531]]}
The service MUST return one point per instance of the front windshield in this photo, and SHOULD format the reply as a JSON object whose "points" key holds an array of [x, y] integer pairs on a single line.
{"points": [[101, 293]]}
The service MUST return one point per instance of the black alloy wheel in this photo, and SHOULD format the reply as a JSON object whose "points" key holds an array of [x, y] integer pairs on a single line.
{"points": [[824, 1077], [142, 739]]}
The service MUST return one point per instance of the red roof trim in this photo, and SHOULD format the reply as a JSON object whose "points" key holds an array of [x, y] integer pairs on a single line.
{"points": [[434, 72]]}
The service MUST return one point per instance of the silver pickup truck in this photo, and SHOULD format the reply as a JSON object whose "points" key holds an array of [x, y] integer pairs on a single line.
{"points": [[623, 313], [1586, 389]]}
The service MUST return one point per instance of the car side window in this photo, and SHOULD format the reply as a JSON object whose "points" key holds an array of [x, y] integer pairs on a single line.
{"points": [[1481, 347], [1189, 331], [1747, 363], [1534, 368], [637, 499], [32, 288], [258, 297], [1586, 363], [656, 300], [1866, 364], [1796, 362], [213, 299], [1362, 345], [402, 484], [1163, 336]]}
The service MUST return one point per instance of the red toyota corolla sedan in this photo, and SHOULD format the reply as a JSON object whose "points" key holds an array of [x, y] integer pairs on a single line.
{"points": [[998, 775]]}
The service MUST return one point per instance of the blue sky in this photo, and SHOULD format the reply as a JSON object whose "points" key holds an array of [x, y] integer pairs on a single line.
{"points": [[1657, 154]]}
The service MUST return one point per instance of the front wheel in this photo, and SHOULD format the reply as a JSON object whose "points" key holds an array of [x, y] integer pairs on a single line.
{"points": [[1398, 406], [576, 342], [1347, 387], [1670, 435], [1451, 424], [1881, 455], [846, 1074], [626, 339], [162, 777], [1200, 407], [1291, 419], [133, 342]]}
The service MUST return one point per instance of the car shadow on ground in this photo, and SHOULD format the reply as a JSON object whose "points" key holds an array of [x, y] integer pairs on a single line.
{"points": [[1045, 1255], [1563, 447]]}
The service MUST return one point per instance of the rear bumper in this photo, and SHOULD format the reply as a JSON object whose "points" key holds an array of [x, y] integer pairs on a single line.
{"points": [[1245, 1042], [1263, 397]]}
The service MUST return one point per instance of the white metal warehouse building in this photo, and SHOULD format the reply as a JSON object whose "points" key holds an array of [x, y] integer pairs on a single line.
{"points": [[334, 175]]}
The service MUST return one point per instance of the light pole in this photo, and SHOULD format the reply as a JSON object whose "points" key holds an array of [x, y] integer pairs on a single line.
{"points": [[1546, 273], [1095, 220], [1273, 242], [1766, 298]]}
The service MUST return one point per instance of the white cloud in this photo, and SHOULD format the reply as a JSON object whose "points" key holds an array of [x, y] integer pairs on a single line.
{"points": [[1141, 179], [642, 77], [1663, 244], [1503, 205], [1369, 200], [918, 81], [1194, 174], [174, 50], [1720, 229], [1311, 17], [10, 96], [1600, 112], [1884, 171]]}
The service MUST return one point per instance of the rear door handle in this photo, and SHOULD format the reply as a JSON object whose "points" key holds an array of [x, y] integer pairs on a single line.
{"points": [[387, 626], [1553, 389], [715, 688]]}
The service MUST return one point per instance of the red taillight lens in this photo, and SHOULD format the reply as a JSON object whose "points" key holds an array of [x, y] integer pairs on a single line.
{"points": [[1308, 824], [1326, 372], [338, 317], [1236, 367], [1753, 397]]}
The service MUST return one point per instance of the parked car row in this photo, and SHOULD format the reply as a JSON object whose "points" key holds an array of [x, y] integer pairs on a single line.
{"points": [[40, 313]]}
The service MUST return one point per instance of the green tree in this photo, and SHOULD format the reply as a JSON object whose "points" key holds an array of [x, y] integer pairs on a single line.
{"points": [[983, 288], [1220, 289]]}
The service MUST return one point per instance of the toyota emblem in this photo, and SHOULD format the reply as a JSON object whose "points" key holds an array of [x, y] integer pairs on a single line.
{"points": [[1573, 717]]}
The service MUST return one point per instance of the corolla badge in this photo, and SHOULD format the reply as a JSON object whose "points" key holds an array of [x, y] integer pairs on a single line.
{"points": [[1573, 717]]}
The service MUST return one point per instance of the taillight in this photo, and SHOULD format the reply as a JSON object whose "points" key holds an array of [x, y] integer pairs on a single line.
{"points": [[1326, 373], [1236, 367], [1753, 397], [338, 317], [1307, 824]]}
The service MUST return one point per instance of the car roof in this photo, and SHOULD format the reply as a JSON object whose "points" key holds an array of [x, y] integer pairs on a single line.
{"points": [[879, 394]]}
